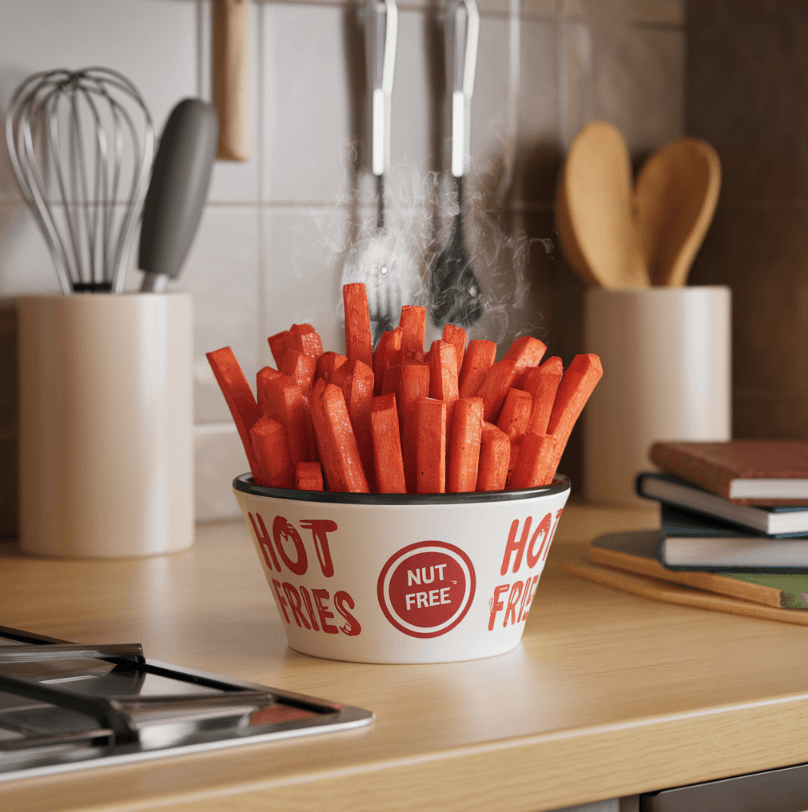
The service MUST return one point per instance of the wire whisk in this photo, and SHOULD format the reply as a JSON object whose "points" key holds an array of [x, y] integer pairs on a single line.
{"points": [[82, 144]]}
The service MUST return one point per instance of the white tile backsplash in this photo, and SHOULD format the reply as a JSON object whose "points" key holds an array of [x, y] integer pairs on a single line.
{"points": [[25, 262], [152, 42], [218, 458], [491, 124], [538, 81], [306, 113], [303, 253], [273, 239], [222, 273], [634, 68], [576, 61], [411, 127]]}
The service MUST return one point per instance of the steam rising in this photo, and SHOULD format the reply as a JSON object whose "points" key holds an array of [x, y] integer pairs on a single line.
{"points": [[419, 208]]}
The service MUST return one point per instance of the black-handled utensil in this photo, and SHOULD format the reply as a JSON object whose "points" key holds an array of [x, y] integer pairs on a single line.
{"points": [[177, 191], [454, 289]]}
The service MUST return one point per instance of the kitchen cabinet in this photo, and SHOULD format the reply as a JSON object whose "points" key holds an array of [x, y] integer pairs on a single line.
{"points": [[609, 695]]}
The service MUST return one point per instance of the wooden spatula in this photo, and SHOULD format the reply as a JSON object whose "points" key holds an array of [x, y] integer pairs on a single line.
{"points": [[568, 237], [675, 197], [597, 184]]}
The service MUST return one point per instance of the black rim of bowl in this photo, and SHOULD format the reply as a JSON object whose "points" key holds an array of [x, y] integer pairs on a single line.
{"points": [[245, 484]]}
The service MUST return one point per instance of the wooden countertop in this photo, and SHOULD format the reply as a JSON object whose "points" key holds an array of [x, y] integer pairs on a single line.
{"points": [[608, 695]]}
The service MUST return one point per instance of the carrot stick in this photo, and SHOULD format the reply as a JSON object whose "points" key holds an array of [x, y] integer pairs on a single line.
{"points": [[430, 451], [278, 346], [527, 351], [357, 388], [305, 339], [327, 364], [414, 386], [391, 382], [577, 384], [308, 476], [386, 355], [413, 323], [456, 336], [238, 395], [443, 371], [464, 445], [443, 378], [387, 458], [280, 398], [300, 368], [262, 376], [534, 461], [342, 433], [336, 441], [513, 419], [500, 377], [339, 376], [274, 467], [325, 448], [358, 340], [542, 384], [495, 450], [478, 358], [515, 413]]}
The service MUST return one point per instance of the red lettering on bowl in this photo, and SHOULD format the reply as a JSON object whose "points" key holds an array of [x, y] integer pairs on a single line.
{"points": [[426, 589]]}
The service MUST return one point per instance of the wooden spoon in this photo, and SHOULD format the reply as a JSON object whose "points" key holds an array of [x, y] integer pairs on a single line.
{"points": [[597, 209], [568, 237], [674, 202]]}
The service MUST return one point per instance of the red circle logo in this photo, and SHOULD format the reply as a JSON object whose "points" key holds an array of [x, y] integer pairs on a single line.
{"points": [[426, 589]]}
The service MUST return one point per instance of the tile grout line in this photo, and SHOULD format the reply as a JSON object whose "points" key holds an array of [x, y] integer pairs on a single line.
{"points": [[261, 168], [221, 427], [199, 50], [562, 87]]}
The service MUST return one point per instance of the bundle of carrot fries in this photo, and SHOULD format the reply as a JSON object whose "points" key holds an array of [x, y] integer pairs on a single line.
{"points": [[397, 419]]}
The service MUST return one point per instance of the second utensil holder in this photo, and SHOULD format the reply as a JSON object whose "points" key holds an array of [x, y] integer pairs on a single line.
{"points": [[106, 454], [666, 356]]}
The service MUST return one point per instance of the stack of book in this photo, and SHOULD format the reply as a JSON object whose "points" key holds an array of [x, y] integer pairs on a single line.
{"points": [[741, 504], [733, 530]]}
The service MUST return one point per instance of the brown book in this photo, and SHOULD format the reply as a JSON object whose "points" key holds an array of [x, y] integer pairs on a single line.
{"points": [[747, 472]]}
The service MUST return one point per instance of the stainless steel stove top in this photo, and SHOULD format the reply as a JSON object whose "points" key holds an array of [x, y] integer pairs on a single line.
{"points": [[65, 706]]}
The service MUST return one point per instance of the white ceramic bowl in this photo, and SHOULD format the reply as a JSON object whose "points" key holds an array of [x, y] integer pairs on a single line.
{"points": [[383, 578]]}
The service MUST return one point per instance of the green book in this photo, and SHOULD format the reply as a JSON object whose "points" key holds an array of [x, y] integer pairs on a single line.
{"points": [[793, 587]]}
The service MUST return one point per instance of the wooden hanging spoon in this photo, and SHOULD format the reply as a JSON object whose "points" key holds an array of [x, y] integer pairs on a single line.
{"points": [[597, 182], [230, 22], [675, 197]]}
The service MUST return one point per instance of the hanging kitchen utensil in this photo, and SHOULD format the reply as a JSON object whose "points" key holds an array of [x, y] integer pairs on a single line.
{"points": [[81, 144], [382, 259], [454, 288], [231, 78], [177, 191], [675, 197], [381, 35], [597, 201]]}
